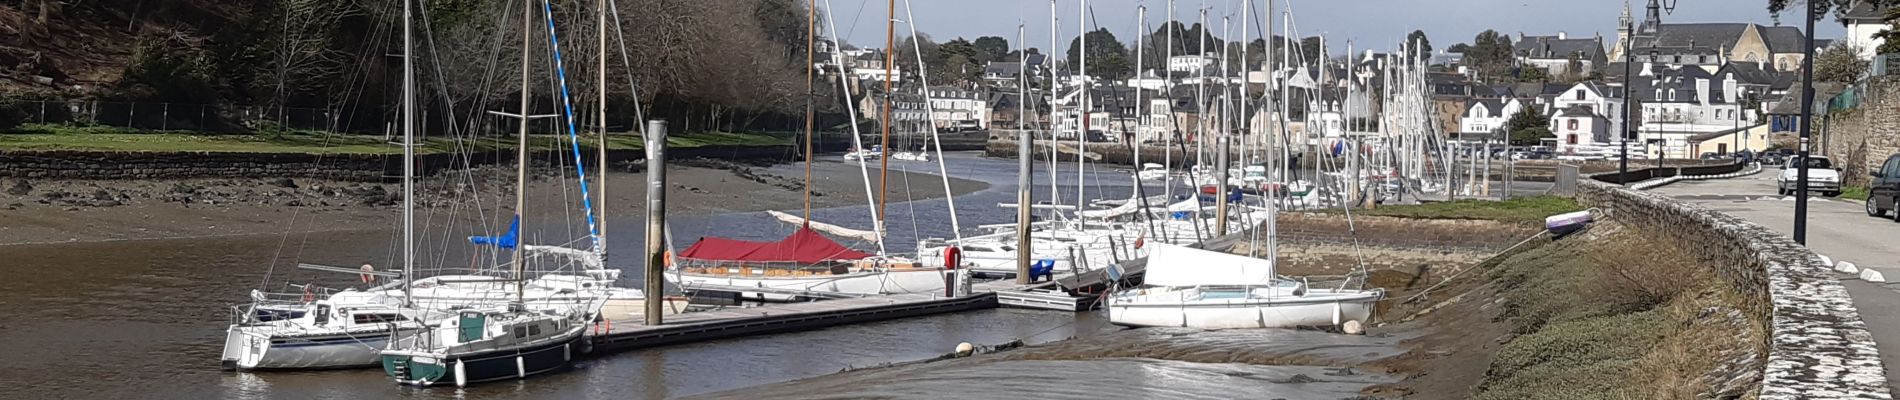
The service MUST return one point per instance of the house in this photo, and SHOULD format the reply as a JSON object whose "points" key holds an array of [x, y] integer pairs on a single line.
{"points": [[1192, 64], [1708, 44], [1483, 116], [869, 66], [1007, 74], [955, 110], [1602, 100], [1680, 103], [1555, 53], [1580, 126], [907, 110], [1751, 138], [1863, 22]]}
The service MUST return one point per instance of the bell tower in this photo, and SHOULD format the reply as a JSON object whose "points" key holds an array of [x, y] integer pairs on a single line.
{"points": [[1652, 20]]}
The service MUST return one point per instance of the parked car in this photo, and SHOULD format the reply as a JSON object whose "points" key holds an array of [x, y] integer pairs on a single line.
{"points": [[1883, 191], [1822, 176], [1770, 159], [1714, 156]]}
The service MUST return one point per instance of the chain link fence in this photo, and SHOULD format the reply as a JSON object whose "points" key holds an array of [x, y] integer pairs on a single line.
{"points": [[208, 118]]}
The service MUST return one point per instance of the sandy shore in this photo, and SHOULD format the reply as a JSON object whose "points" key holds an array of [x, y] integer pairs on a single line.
{"points": [[69, 211]]}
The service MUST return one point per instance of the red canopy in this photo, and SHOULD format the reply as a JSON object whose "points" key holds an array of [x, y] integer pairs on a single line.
{"points": [[803, 246]]}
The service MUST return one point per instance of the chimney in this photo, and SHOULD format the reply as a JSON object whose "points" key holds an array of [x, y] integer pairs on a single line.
{"points": [[1702, 90], [1729, 88]]}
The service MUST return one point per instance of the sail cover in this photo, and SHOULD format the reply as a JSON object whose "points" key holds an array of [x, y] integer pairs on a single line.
{"points": [[1170, 265], [803, 246]]}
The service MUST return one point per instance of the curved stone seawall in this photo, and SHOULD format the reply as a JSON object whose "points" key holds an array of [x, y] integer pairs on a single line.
{"points": [[344, 167], [1819, 347]]}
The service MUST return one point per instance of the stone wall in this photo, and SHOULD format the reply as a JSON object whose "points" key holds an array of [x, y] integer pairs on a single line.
{"points": [[1403, 233], [1859, 140], [343, 167], [1819, 347]]}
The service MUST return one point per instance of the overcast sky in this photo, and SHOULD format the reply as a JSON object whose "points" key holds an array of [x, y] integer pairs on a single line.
{"points": [[1366, 21]]}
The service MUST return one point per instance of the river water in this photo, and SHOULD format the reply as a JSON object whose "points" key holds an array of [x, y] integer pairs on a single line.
{"points": [[146, 319]]}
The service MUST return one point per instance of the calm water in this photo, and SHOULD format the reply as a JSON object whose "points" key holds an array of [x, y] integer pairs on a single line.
{"points": [[145, 319]]}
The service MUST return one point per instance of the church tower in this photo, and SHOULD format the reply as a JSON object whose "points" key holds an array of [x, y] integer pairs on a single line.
{"points": [[1652, 22], [1622, 33]]}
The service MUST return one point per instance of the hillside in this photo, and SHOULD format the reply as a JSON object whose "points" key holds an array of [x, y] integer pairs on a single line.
{"points": [[706, 65]]}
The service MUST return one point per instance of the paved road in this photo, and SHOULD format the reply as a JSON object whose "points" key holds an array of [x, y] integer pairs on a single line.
{"points": [[1837, 228]]}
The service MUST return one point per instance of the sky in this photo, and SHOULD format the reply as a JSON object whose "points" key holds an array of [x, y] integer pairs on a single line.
{"points": [[1380, 22]]}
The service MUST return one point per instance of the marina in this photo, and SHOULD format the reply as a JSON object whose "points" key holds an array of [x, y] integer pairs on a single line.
{"points": [[577, 199]]}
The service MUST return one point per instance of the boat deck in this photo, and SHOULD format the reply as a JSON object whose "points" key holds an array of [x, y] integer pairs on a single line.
{"points": [[629, 334]]}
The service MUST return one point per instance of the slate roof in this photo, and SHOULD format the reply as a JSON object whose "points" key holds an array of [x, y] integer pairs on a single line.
{"points": [[1550, 47], [1784, 39], [1864, 12], [1578, 111], [1492, 107], [1710, 35]]}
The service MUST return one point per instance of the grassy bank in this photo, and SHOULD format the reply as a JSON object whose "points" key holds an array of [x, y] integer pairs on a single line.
{"points": [[1516, 210], [43, 137], [1854, 192], [1614, 314]]}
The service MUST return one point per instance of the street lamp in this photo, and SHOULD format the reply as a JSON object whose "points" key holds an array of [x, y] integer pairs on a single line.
{"points": [[1807, 130]]}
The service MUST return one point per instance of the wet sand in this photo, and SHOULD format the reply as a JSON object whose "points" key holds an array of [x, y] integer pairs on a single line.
{"points": [[67, 211]]}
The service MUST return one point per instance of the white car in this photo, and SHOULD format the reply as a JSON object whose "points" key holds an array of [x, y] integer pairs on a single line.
{"points": [[1822, 177]]}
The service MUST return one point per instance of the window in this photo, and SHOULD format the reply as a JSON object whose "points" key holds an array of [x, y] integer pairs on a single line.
{"points": [[1580, 94], [1573, 137], [1892, 169], [1573, 126]]}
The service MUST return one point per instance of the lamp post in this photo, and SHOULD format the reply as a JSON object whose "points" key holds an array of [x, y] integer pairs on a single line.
{"points": [[1807, 130]]}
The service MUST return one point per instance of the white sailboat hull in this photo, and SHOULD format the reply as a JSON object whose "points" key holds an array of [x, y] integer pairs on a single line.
{"points": [[245, 348], [1178, 308], [928, 280]]}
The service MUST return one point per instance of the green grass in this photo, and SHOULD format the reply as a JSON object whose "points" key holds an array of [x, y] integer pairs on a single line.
{"points": [[42, 137], [1854, 193], [1521, 209]]}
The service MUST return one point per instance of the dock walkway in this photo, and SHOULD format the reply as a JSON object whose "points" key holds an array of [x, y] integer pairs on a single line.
{"points": [[629, 334]]}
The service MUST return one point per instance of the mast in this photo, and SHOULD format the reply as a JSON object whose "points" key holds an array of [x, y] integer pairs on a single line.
{"points": [[1087, 109], [521, 145], [602, 110], [930, 111], [409, 152], [884, 149], [811, 41], [1246, 129], [1200, 89], [1055, 129], [1167, 138], [1141, 20], [857, 140], [1222, 143]]}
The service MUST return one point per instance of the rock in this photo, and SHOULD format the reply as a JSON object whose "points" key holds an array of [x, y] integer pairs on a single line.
{"points": [[964, 349], [20, 188], [1825, 260], [43, 80], [1353, 327], [287, 183]]}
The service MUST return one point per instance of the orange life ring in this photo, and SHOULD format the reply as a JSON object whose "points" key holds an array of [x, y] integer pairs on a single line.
{"points": [[952, 257], [367, 278]]}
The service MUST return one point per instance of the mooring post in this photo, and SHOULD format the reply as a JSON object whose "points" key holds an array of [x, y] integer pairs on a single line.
{"points": [[1024, 151], [656, 221]]}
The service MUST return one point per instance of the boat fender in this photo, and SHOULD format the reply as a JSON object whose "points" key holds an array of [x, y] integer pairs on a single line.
{"points": [[952, 257], [521, 368], [461, 374], [367, 278], [1337, 313]]}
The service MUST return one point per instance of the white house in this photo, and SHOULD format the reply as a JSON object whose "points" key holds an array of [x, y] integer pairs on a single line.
{"points": [[1681, 103], [1863, 21], [1601, 99], [1191, 63], [1149, 81], [955, 109], [1579, 126], [1484, 116]]}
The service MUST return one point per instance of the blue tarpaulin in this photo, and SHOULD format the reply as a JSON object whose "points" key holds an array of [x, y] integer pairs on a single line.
{"points": [[506, 241]]}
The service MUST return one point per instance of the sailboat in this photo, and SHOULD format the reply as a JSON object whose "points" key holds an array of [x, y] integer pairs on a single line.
{"points": [[509, 341], [1193, 288]]}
